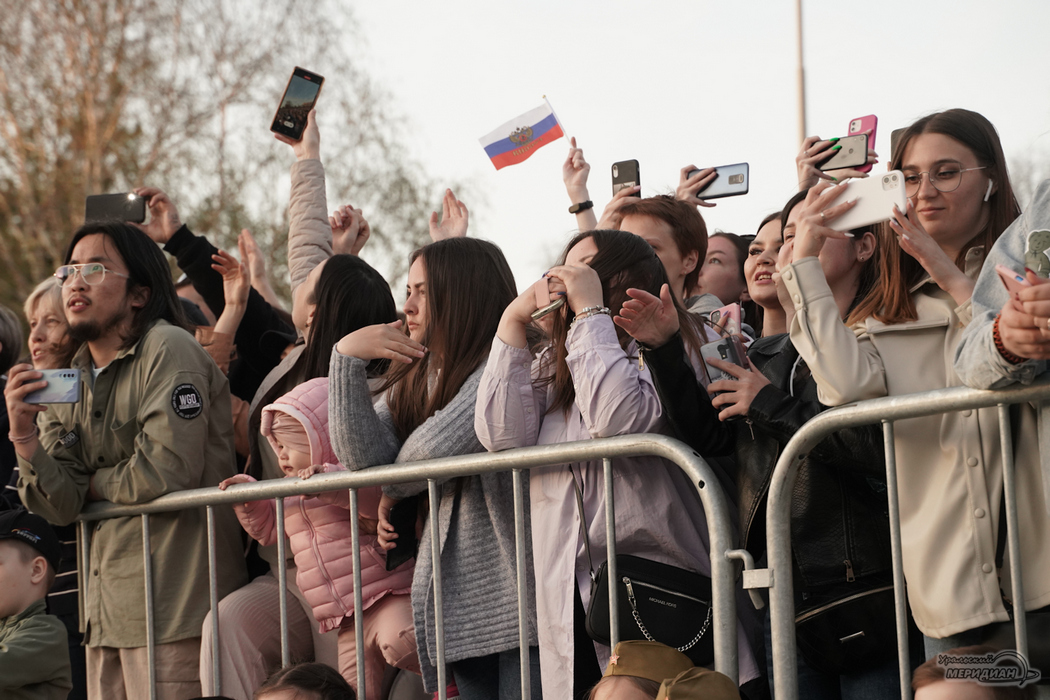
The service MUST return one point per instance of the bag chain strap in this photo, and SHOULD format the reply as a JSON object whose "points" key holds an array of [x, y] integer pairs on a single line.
{"points": [[645, 632]]}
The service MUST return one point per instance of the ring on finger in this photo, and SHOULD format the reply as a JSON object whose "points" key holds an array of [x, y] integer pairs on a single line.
{"points": [[805, 152], [821, 217]]}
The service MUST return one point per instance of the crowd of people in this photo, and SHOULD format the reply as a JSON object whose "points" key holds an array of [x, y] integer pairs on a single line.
{"points": [[211, 382]]}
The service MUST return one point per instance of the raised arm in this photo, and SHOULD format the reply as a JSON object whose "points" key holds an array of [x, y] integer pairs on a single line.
{"points": [[574, 173], [309, 232]]}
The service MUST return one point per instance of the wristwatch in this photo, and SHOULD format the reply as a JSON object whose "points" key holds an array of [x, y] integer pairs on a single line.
{"points": [[582, 206]]}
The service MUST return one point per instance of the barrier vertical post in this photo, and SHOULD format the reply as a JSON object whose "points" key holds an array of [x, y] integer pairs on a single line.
{"points": [[151, 642], [359, 625], [83, 566], [213, 597], [439, 614], [282, 581], [610, 549], [523, 610], [899, 591], [1013, 535]]}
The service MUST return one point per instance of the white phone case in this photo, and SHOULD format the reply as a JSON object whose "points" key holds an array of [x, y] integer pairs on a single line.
{"points": [[875, 197]]}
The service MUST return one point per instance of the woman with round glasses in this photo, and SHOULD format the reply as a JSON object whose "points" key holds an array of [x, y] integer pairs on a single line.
{"points": [[904, 341]]}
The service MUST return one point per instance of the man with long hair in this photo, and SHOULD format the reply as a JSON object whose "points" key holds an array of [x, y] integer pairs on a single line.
{"points": [[153, 418]]}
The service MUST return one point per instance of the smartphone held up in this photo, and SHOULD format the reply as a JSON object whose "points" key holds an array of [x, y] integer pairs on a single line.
{"points": [[299, 98], [63, 386], [624, 175], [861, 125], [730, 181], [123, 207]]}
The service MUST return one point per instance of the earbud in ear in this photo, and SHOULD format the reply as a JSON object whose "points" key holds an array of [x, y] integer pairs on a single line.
{"points": [[988, 192]]}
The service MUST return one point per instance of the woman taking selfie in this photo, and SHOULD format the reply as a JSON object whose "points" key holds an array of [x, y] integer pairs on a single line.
{"points": [[457, 289], [585, 384], [907, 333]]}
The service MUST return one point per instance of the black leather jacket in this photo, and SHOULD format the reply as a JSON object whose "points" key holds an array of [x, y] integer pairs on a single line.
{"points": [[839, 519]]}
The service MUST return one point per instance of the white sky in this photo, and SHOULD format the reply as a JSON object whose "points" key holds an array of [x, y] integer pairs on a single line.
{"points": [[698, 81]]}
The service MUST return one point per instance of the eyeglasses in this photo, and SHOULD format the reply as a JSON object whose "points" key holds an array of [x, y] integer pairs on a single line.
{"points": [[91, 273], [944, 178]]}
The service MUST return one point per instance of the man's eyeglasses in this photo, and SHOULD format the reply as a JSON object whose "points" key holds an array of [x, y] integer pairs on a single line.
{"points": [[944, 178], [91, 273]]}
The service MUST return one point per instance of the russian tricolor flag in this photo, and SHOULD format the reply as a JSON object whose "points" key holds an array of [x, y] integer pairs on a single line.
{"points": [[519, 138]]}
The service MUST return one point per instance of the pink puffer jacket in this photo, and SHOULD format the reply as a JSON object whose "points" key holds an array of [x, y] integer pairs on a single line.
{"points": [[318, 527]]}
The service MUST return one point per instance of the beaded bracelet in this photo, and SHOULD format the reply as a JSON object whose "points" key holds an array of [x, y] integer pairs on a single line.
{"points": [[998, 339], [590, 311]]}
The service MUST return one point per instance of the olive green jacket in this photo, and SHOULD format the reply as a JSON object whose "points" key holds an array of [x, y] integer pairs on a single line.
{"points": [[34, 656], [155, 420]]}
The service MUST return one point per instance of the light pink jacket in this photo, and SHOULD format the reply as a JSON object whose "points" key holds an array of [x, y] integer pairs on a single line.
{"points": [[318, 527]]}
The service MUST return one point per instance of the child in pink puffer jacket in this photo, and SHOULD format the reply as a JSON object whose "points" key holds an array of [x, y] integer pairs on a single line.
{"points": [[318, 528]]}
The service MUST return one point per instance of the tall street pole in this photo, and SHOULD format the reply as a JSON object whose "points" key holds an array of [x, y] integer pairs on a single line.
{"points": [[801, 75]]}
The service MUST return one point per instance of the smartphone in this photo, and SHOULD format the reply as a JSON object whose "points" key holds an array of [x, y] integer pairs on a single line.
{"points": [[544, 305], [729, 349], [63, 386], [126, 206], [1013, 281], [875, 199], [853, 154], [625, 174], [860, 125], [299, 98], [726, 320], [730, 180], [895, 138]]}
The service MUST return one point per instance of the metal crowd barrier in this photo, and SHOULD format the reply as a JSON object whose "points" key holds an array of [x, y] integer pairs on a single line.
{"points": [[431, 471], [777, 577]]}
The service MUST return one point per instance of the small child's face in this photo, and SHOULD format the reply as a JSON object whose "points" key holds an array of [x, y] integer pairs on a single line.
{"points": [[17, 590], [292, 460]]}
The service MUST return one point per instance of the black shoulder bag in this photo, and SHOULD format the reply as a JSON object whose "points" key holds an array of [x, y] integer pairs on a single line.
{"points": [[657, 602]]}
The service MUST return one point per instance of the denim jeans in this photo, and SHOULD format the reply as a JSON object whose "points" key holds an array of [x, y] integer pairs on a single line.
{"points": [[496, 676]]}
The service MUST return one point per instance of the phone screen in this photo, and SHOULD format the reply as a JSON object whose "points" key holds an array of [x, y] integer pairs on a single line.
{"points": [[299, 98]]}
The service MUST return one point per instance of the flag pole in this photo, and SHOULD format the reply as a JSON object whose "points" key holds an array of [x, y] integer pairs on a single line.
{"points": [[564, 131]]}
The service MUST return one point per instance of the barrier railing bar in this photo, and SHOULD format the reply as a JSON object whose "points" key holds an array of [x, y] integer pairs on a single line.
{"points": [[521, 565], [696, 469], [874, 411], [151, 641], [439, 613], [359, 625], [282, 580], [1013, 533], [213, 602], [610, 553], [900, 593]]}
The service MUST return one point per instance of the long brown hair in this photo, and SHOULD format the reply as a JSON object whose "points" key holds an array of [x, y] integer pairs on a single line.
{"points": [[890, 301], [623, 261], [468, 285]]}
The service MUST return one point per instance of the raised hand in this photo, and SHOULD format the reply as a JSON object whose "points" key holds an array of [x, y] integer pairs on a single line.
{"points": [[163, 216], [650, 320], [738, 393], [454, 219], [574, 173], [236, 277], [611, 216], [689, 186], [309, 146], [383, 340], [815, 219], [350, 230], [913, 240], [580, 283]]}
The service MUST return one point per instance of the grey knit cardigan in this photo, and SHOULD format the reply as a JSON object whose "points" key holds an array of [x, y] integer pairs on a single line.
{"points": [[475, 516]]}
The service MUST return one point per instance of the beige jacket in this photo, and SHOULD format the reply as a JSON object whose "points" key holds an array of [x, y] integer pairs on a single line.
{"points": [[948, 466], [155, 420]]}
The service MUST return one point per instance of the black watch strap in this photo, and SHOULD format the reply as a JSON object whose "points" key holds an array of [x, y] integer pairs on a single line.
{"points": [[582, 206]]}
